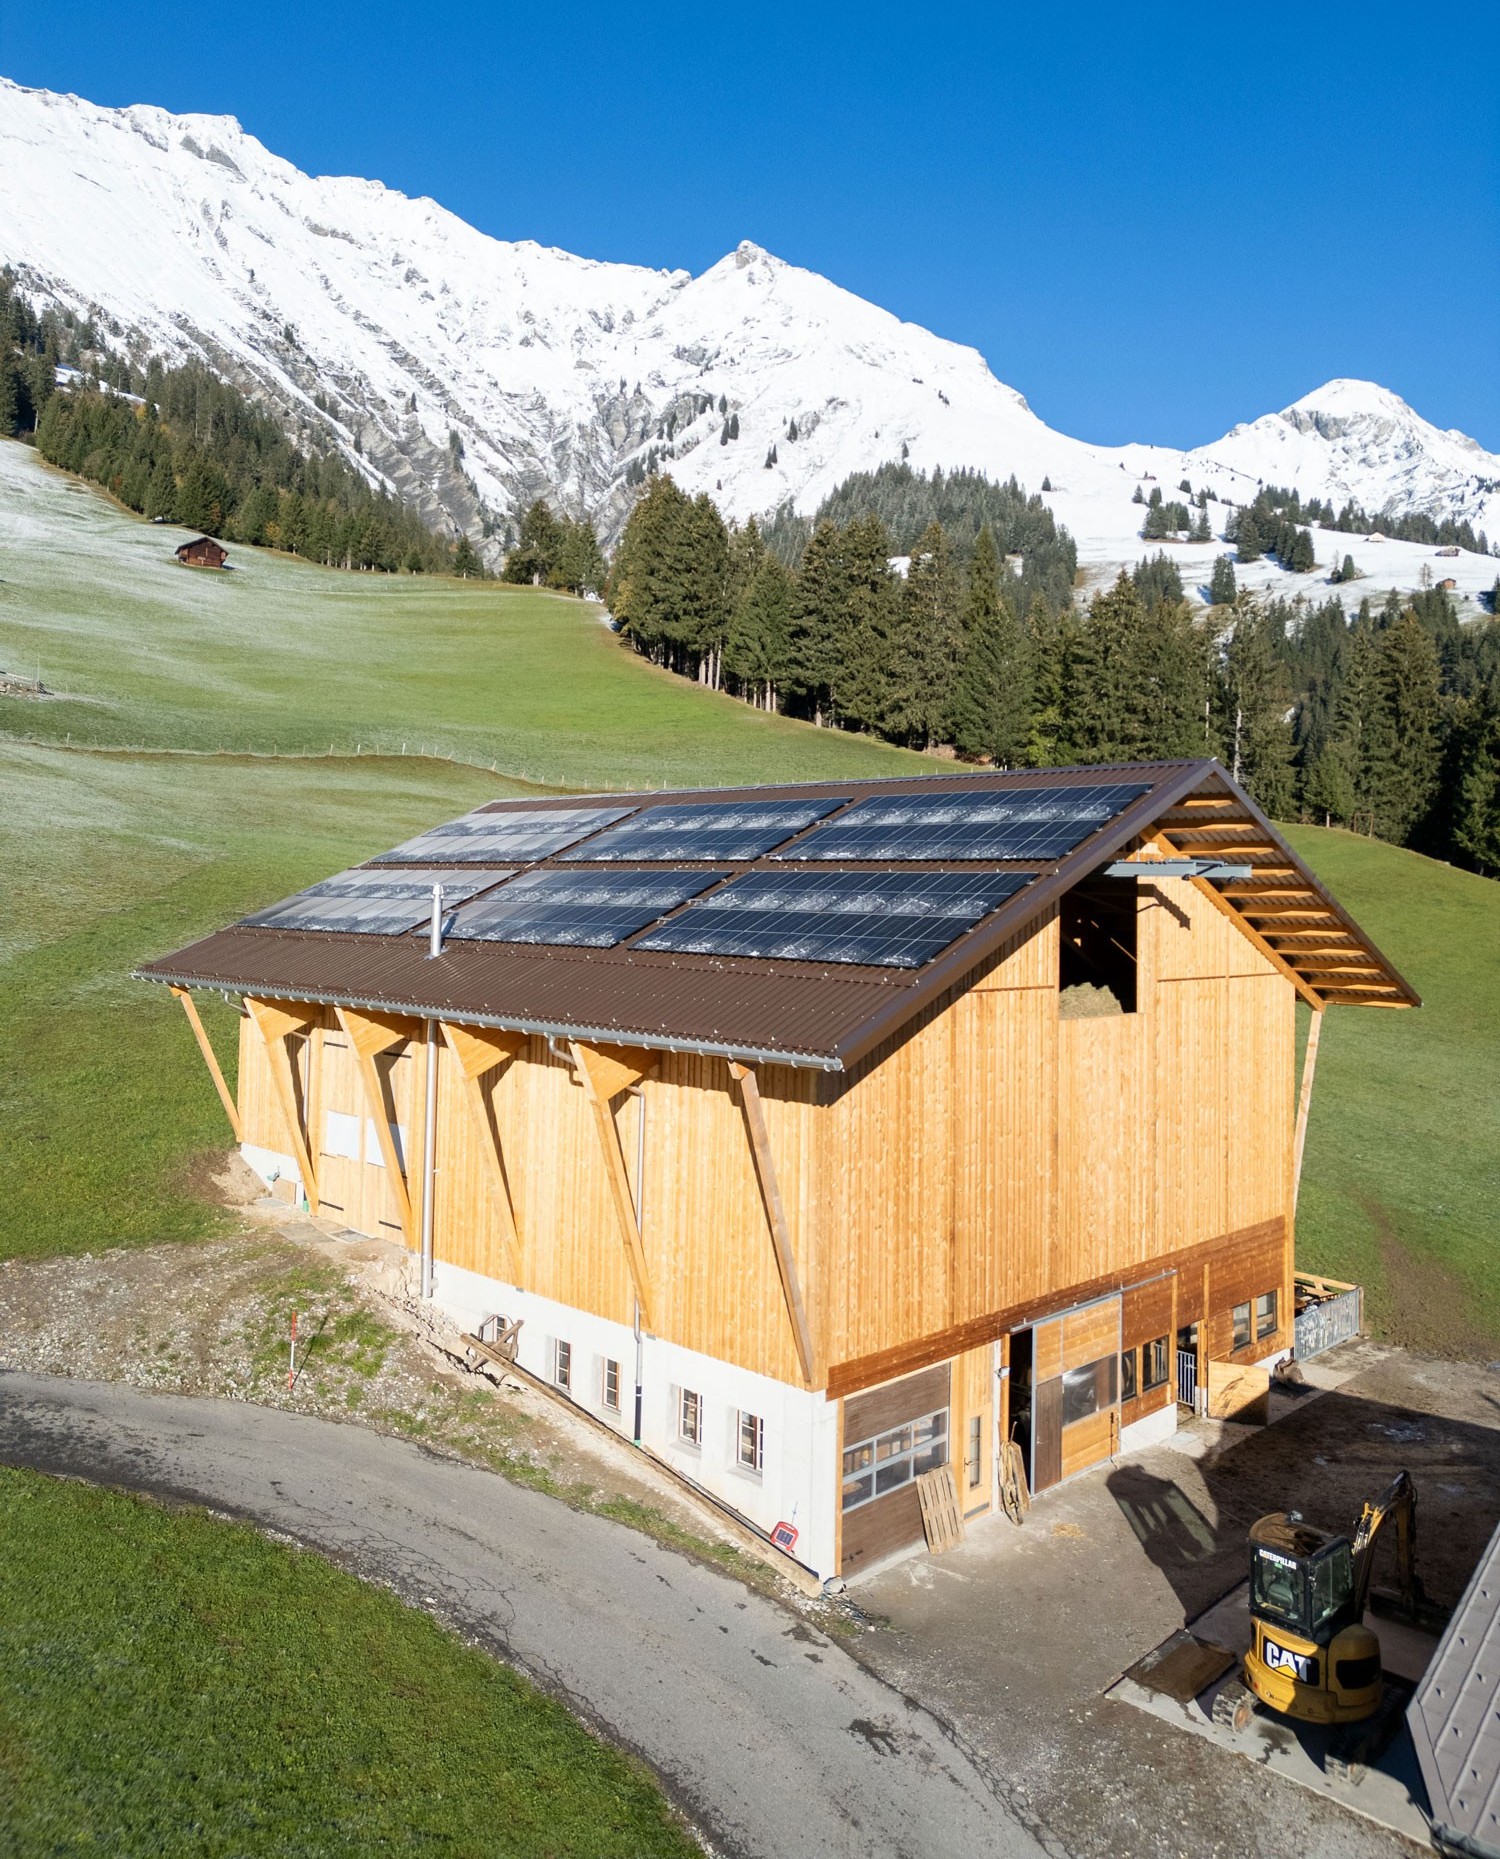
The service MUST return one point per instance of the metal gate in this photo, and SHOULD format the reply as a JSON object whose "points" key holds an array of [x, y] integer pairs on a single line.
{"points": [[1187, 1378]]}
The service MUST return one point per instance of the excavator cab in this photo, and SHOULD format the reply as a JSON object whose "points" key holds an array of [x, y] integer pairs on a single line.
{"points": [[1311, 1655]]}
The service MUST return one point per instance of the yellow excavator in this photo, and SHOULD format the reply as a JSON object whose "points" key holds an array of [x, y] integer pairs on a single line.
{"points": [[1311, 1657]]}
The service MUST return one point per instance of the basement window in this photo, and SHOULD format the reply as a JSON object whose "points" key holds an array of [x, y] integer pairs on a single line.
{"points": [[752, 1446], [562, 1364], [609, 1392], [690, 1417], [1097, 950]]}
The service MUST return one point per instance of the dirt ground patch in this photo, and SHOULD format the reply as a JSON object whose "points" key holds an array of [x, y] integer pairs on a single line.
{"points": [[1425, 1307]]}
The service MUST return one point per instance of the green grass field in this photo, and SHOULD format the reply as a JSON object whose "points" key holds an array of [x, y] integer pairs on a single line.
{"points": [[174, 1685]]}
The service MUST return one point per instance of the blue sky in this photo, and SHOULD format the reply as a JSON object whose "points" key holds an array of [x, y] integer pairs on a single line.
{"points": [[1153, 221]]}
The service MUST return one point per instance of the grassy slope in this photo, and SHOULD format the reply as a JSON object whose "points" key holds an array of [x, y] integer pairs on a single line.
{"points": [[176, 1685], [280, 655], [1402, 1175]]}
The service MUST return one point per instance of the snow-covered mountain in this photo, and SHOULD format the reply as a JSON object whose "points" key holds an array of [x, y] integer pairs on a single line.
{"points": [[565, 374]]}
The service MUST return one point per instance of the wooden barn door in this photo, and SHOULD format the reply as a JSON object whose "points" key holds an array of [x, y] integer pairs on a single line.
{"points": [[382, 1216], [1046, 1404]]}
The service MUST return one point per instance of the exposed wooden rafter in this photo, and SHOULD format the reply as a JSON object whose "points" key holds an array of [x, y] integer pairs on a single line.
{"points": [[477, 1053], [211, 1060], [781, 1238], [275, 1022], [370, 1034], [1271, 954], [604, 1072]]}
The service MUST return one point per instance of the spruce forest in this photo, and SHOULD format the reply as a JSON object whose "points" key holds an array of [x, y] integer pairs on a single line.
{"points": [[1386, 721]]}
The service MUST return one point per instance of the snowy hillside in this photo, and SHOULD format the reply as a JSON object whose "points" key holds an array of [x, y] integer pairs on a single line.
{"points": [[567, 375]]}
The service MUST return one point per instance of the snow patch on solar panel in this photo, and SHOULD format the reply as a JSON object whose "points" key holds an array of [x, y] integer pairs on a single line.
{"points": [[880, 919], [373, 903], [1024, 823], [525, 833], [706, 830], [578, 909]]}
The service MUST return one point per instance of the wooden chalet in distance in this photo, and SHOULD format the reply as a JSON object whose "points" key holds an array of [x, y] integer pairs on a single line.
{"points": [[202, 552], [821, 1135]]}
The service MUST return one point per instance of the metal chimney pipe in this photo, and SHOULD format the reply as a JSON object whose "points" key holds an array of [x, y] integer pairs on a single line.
{"points": [[435, 934]]}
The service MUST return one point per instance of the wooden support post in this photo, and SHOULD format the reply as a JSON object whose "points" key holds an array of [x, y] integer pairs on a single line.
{"points": [[370, 1035], [210, 1059], [770, 1194], [602, 1075], [477, 1053], [1304, 1102], [274, 1023]]}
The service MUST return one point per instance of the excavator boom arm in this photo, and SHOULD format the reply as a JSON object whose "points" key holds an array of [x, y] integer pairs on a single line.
{"points": [[1398, 1500]]}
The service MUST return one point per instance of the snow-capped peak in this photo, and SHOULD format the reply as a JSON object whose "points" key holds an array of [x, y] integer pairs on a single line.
{"points": [[391, 324]]}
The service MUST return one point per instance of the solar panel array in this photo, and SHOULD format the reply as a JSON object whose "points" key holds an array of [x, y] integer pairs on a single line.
{"points": [[525, 833], [1029, 823], [373, 903], [578, 909], [706, 830], [891, 918], [884, 919]]}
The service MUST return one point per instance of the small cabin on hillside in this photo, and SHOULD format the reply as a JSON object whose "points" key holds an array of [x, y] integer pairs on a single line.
{"points": [[203, 553], [820, 1136]]}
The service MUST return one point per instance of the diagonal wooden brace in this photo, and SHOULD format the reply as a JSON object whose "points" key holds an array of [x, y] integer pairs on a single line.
{"points": [[477, 1053], [370, 1035], [781, 1239], [600, 1074], [210, 1059], [275, 1022]]}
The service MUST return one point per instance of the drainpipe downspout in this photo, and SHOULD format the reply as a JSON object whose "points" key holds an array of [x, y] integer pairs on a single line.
{"points": [[640, 1213], [429, 1109]]}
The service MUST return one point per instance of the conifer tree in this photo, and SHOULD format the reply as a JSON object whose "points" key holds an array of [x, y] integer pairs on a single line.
{"points": [[757, 641], [1257, 702], [530, 562], [1476, 823], [991, 711], [1248, 538], [1403, 745], [1049, 638], [466, 563], [1221, 586], [932, 633]]}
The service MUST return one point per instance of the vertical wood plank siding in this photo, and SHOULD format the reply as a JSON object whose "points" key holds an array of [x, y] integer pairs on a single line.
{"points": [[989, 1156]]}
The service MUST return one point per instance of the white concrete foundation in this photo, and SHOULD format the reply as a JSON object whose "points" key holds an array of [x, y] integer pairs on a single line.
{"points": [[1151, 1431], [798, 1481]]}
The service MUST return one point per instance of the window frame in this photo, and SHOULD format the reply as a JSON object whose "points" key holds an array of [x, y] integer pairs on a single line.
{"points": [[756, 1426], [1156, 1351], [1242, 1333], [932, 1448], [1130, 1375], [976, 1449], [1271, 1322], [689, 1433], [610, 1368], [562, 1364]]}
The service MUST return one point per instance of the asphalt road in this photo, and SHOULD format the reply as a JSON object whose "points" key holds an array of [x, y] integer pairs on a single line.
{"points": [[767, 1735]]}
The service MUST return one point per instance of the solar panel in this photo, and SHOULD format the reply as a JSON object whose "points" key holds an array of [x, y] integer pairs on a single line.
{"points": [[706, 830], [373, 903], [883, 919], [525, 833], [579, 909], [975, 823]]}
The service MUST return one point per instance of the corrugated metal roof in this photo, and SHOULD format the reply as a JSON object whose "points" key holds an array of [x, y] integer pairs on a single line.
{"points": [[1454, 1714], [817, 1013]]}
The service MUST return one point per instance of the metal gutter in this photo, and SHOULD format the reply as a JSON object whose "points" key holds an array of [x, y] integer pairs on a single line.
{"points": [[546, 1029]]}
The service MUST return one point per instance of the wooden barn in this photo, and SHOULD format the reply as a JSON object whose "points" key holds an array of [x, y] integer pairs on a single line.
{"points": [[203, 552], [820, 1136]]}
